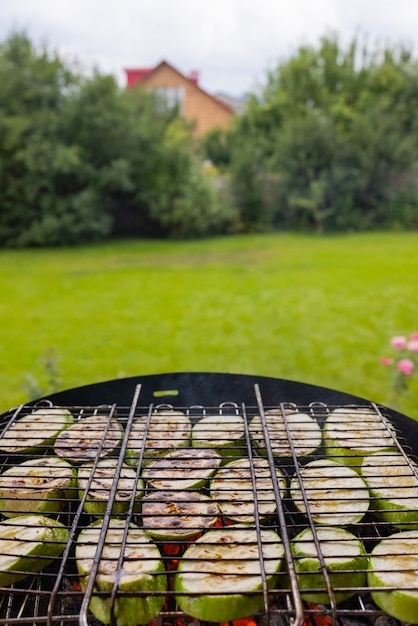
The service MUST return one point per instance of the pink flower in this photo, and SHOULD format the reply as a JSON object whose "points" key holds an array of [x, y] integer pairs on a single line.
{"points": [[414, 336], [413, 345], [385, 360], [405, 366], [398, 342]]}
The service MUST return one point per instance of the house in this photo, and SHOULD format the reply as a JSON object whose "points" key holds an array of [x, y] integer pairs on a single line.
{"points": [[205, 111]]}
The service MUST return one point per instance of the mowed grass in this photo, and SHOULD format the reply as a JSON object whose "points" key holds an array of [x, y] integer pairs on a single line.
{"points": [[315, 309]]}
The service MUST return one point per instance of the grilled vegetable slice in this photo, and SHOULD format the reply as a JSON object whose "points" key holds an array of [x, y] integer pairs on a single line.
{"points": [[304, 430], [43, 485], [336, 494], [182, 469], [101, 484], [224, 433], [28, 543], [167, 430], [393, 564], [226, 562], [36, 429], [393, 487], [344, 557], [177, 515], [91, 436], [352, 433], [141, 570], [232, 487]]}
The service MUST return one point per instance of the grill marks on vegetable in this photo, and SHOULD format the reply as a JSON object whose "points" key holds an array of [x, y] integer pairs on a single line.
{"points": [[334, 474]]}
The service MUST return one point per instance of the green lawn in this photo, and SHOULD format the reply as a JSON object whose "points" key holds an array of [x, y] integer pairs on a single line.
{"points": [[314, 309]]}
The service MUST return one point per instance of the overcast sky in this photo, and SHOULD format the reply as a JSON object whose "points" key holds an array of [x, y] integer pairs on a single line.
{"points": [[232, 43]]}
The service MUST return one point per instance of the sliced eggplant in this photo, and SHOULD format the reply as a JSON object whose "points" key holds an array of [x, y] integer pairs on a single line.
{"points": [[101, 484], [167, 430], [232, 487], [43, 485], [35, 430], [336, 494], [141, 571], [177, 515], [393, 487], [183, 469], [29, 543], [352, 433], [223, 433], [303, 430], [345, 560], [91, 436], [219, 577], [393, 575]]}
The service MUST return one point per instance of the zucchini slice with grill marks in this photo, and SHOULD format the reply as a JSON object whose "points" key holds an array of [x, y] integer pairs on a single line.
{"points": [[336, 494], [219, 578], [304, 430], [86, 439], [352, 433], [29, 543], [223, 433], [232, 487], [101, 484], [344, 557], [393, 564], [35, 430], [167, 430], [141, 570], [183, 469], [177, 515], [393, 488], [43, 485]]}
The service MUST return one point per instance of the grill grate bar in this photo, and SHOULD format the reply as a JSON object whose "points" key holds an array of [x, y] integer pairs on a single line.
{"points": [[297, 602]]}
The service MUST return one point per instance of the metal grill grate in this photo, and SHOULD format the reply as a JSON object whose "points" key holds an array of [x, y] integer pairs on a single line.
{"points": [[273, 468]]}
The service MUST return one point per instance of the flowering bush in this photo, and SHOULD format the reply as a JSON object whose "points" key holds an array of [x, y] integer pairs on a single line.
{"points": [[405, 362]]}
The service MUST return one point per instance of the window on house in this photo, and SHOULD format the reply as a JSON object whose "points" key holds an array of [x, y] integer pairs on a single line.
{"points": [[171, 97]]}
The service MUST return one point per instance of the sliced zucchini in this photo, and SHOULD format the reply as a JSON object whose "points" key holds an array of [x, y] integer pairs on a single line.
{"points": [[344, 557], [84, 439], [142, 571], [304, 430], [43, 485], [393, 567], [37, 429], [99, 490], [178, 515], [336, 494], [219, 575], [393, 487], [232, 487], [29, 543], [223, 433], [167, 430], [352, 433], [182, 469]]}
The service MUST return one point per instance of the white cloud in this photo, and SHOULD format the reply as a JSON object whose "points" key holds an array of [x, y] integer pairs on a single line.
{"points": [[232, 42]]}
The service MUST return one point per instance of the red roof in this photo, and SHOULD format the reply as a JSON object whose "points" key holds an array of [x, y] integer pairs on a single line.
{"points": [[137, 74]]}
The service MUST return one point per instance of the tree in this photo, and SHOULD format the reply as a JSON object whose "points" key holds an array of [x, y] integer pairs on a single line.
{"points": [[338, 127], [83, 159]]}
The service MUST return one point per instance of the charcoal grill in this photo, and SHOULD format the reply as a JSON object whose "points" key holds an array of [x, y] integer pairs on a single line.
{"points": [[54, 595]]}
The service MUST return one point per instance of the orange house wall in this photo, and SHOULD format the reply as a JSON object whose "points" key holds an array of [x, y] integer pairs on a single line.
{"points": [[198, 107]]}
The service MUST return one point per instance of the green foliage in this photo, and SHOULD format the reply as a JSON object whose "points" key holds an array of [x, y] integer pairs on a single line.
{"points": [[216, 147], [330, 144], [338, 127], [82, 159], [46, 379]]}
